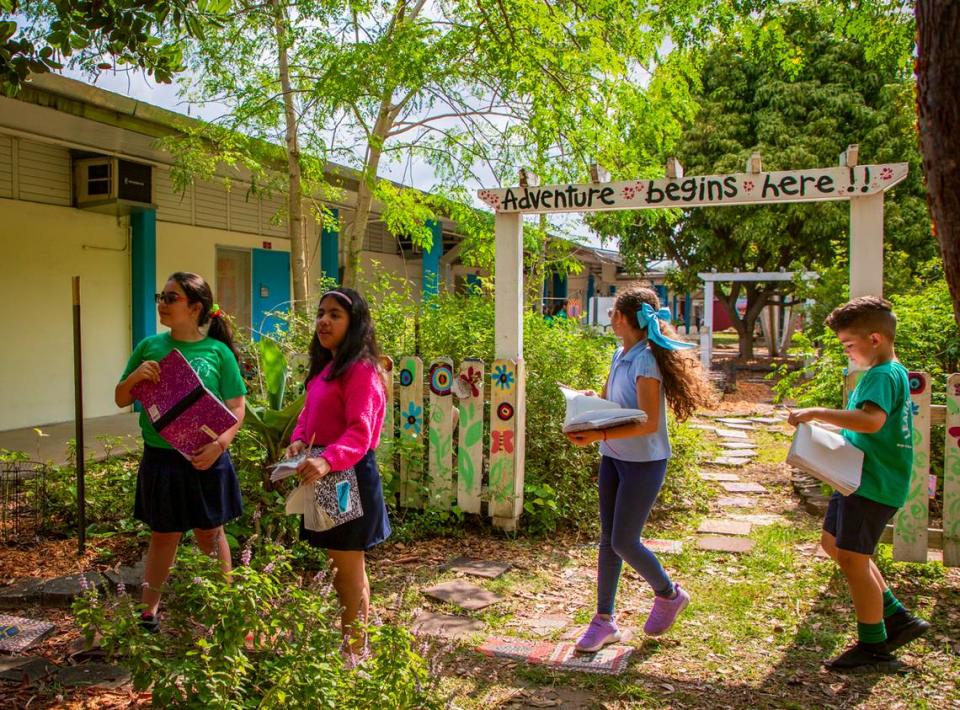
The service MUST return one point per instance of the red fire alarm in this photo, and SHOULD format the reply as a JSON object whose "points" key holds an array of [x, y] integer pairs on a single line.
{"points": [[268, 245]]}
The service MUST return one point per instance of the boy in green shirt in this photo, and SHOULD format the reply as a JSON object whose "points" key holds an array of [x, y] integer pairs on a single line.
{"points": [[879, 421]]}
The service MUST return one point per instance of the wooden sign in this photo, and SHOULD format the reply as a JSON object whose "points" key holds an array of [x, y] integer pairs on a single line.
{"points": [[817, 184]]}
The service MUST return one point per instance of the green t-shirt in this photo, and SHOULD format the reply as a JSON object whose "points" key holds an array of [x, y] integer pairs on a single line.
{"points": [[888, 453], [213, 362]]}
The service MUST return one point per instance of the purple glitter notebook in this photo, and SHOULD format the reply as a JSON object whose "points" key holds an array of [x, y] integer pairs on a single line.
{"points": [[184, 412]]}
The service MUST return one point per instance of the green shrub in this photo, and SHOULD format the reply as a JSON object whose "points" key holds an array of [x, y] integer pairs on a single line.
{"points": [[201, 659]]}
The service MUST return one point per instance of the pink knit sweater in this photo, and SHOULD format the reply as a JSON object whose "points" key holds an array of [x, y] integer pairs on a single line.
{"points": [[344, 415]]}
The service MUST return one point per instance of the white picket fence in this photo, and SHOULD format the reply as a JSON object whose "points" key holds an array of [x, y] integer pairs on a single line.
{"points": [[444, 456], [910, 532]]}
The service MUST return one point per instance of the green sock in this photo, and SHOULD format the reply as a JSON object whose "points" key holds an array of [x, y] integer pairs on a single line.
{"points": [[891, 605], [871, 633]]}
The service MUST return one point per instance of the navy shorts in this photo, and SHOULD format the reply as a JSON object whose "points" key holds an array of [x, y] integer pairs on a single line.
{"points": [[856, 522]]}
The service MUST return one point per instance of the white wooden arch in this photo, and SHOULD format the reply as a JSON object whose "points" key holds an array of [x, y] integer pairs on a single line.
{"points": [[863, 185]]}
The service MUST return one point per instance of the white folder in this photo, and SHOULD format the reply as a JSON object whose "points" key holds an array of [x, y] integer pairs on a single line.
{"points": [[828, 457], [590, 413]]}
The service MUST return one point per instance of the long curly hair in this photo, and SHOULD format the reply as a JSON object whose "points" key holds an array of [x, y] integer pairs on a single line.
{"points": [[684, 383]]}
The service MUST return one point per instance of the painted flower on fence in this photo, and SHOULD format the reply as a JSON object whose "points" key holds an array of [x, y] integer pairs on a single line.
{"points": [[502, 377], [467, 383], [411, 418], [406, 377], [886, 173], [916, 383], [441, 376], [505, 411]]}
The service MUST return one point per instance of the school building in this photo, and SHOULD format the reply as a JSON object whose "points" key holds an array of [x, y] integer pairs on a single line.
{"points": [[85, 191]]}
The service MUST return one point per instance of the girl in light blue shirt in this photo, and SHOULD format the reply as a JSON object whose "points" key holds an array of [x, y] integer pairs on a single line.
{"points": [[649, 371]]}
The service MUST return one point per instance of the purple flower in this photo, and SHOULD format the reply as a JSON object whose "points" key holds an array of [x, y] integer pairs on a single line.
{"points": [[197, 580], [269, 568], [85, 583], [245, 556], [256, 515], [121, 589]]}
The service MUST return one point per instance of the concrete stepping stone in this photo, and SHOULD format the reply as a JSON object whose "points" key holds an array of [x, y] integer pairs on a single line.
{"points": [[728, 461], [17, 634], [21, 593], [733, 420], [725, 527], [722, 543], [61, 592], [761, 519], [745, 445], [96, 675], [446, 625], [736, 502], [463, 594], [704, 427], [732, 434], [746, 487], [766, 420], [491, 569], [741, 427], [609, 660], [28, 669], [131, 576], [665, 547], [709, 476], [545, 625]]}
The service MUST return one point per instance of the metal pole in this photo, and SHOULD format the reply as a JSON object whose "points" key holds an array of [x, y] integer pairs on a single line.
{"points": [[78, 417]]}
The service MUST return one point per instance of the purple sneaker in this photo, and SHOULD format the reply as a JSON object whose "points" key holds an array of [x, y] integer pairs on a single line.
{"points": [[600, 633], [665, 612]]}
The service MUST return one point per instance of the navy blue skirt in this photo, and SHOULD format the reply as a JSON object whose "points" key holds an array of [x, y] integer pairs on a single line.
{"points": [[173, 496], [367, 531]]}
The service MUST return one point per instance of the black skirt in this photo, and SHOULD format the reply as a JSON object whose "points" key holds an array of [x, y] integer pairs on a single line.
{"points": [[173, 496], [367, 531]]}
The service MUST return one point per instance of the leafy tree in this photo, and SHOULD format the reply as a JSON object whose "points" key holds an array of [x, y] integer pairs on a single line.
{"points": [[797, 94], [37, 37], [488, 85]]}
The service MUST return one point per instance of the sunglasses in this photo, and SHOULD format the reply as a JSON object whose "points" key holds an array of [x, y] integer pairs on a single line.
{"points": [[168, 297]]}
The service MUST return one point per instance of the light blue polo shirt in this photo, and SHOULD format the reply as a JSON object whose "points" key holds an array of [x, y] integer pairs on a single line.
{"points": [[638, 361]]}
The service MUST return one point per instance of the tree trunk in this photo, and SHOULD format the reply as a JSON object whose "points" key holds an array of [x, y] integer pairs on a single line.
{"points": [[938, 104], [358, 229], [298, 245]]}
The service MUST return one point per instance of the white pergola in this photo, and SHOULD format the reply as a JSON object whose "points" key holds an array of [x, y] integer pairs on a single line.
{"points": [[862, 185], [709, 278]]}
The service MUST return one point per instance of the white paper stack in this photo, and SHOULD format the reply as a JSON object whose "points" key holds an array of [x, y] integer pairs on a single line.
{"points": [[589, 413], [827, 456]]}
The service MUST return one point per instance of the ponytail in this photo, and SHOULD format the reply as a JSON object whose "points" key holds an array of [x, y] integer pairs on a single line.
{"points": [[220, 330]]}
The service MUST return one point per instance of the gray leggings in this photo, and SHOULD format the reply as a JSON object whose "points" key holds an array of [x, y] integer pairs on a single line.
{"points": [[628, 490]]}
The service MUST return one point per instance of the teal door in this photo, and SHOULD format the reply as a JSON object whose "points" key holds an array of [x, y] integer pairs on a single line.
{"points": [[271, 289]]}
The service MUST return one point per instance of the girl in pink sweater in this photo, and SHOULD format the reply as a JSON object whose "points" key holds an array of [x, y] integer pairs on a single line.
{"points": [[343, 412]]}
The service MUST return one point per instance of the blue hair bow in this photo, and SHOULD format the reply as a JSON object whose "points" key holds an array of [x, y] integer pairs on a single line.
{"points": [[650, 319]]}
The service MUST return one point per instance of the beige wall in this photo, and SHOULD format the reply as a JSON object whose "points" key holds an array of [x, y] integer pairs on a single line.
{"points": [[41, 248]]}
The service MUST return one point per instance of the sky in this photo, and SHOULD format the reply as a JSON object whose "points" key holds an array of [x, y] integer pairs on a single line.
{"points": [[417, 174]]}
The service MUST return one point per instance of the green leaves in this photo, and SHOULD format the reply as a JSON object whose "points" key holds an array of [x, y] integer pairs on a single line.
{"points": [[273, 369]]}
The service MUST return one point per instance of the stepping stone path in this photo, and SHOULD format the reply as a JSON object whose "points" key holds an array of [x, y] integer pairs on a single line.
{"points": [[725, 527], [736, 422], [21, 593], [749, 487], [736, 502], [446, 625], [760, 519], [666, 547], [17, 634], [545, 625], [744, 445], [723, 543], [728, 461], [25, 669], [731, 434], [609, 660], [708, 476], [704, 427], [463, 594], [61, 592], [767, 420], [480, 568], [97, 675]]}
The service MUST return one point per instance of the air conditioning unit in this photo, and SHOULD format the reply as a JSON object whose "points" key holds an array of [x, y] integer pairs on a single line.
{"points": [[112, 185]]}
